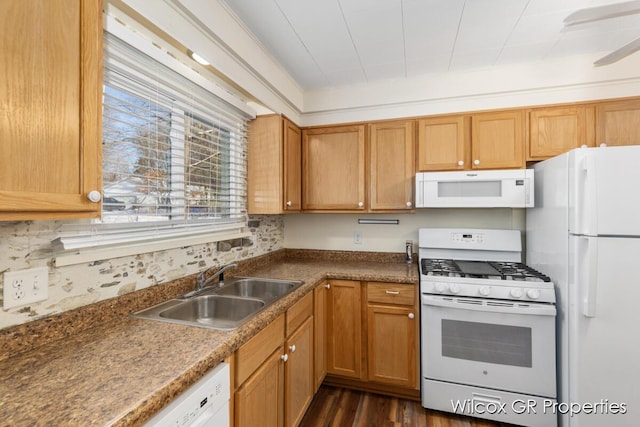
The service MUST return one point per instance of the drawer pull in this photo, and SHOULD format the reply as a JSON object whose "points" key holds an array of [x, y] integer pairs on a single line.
{"points": [[393, 292]]}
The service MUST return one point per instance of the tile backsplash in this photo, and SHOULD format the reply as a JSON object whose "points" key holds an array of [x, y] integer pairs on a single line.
{"points": [[22, 245]]}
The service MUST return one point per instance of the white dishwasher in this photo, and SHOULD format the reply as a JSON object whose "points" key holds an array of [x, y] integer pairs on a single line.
{"points": [[206, 403]]}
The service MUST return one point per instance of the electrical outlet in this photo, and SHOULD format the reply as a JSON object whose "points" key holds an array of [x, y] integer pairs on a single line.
{"points": [[24, 287], [357, 237]]}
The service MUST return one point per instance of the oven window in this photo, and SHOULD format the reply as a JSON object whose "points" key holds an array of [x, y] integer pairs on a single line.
{"points": [[485, 342]]}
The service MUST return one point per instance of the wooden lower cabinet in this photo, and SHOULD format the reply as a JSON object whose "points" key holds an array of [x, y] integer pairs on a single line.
{"points": [[259, 401], [365, 334], [392, 345], [274, 374], [298, 373], [344, 329], [320, 333]]}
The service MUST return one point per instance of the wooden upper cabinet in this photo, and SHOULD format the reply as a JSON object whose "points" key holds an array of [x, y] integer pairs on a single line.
{"points": [[556, 130], [618, 122], [443, 143], [333, 164], [497, 140], [292, 167], [391, 165], [50, 98], [274, 162]]}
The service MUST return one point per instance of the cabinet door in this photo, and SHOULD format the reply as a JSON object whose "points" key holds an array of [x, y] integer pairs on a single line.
{"points": [[344, 329], [554, 131], [333, 164], [274, 166], [50, 98], [618, 123], [391, 165], [260, 400], [298, 373], [392, 345], [320, 333], [497, 140], [443, 143], [264, 165], [292, 167]]}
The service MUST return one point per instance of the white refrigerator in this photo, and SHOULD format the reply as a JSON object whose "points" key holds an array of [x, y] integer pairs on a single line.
{"points": [[585, 234]]}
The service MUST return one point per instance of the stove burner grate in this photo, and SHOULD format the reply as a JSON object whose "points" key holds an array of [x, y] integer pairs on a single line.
{"points": [[500, 270]]}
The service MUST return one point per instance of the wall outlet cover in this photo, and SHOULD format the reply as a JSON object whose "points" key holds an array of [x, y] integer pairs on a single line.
{"points": [[24, 287]]}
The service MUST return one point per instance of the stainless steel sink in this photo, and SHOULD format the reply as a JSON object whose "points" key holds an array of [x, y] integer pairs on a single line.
{"points": [[252, 287], [225, 307], [215, 310]]}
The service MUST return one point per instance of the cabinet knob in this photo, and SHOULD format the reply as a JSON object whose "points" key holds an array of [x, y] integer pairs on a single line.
{"points": [[360, 204], [94, 196], [284, 358], [292, 348], [289, 203], [411, 316], [476, 162], [460, 162], [328, 286], [409, 204]]}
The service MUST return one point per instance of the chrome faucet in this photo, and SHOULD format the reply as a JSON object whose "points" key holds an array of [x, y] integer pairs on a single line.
{"points": [[202, 281]]}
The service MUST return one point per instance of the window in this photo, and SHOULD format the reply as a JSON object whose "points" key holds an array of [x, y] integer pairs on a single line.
{"points": [[174, 153]]}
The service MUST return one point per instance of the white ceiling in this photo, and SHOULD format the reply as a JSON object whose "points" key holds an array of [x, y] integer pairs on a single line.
{"points": [[333, 43]]}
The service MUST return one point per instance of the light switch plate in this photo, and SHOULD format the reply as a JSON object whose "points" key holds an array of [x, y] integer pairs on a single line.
{"points": [[24, 287]]}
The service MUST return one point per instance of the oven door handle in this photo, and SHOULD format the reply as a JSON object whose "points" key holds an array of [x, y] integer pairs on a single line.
{"points": [[539, 309]]}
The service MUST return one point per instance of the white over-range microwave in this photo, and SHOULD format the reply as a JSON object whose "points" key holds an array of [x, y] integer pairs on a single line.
{"points": [[475, 189]]}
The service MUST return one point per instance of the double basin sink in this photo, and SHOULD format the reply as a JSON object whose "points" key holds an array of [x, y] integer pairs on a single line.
{"points": [[222, 307]]}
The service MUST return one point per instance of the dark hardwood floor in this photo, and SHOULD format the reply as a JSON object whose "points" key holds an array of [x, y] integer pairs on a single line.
{"points": [[339, 407]]}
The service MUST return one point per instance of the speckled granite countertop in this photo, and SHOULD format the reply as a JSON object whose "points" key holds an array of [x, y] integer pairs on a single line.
{"points": [[122, 370]]}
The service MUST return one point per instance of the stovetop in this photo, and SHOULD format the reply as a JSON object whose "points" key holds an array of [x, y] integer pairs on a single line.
{"points": [[501, 280], [497, 270]]}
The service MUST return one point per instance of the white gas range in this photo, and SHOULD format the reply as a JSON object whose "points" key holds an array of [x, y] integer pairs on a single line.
{"points": [[488, 328]]}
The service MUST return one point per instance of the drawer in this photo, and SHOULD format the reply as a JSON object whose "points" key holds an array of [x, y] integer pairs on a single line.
{"points": [[250, 356], [299, 312], [391, 293]]}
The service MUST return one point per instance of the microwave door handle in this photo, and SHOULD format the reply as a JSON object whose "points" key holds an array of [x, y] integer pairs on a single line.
{"points": [[591, 288]]}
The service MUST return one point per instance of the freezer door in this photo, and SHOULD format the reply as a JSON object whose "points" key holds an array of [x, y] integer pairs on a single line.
{"points": [[604, 198], [604, 350]]}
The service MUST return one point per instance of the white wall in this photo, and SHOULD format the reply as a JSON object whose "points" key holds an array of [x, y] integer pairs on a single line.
{"points": [[335, 231]]}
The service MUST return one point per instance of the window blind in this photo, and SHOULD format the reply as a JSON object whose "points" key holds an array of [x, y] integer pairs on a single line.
{"points": [[174, 155]]}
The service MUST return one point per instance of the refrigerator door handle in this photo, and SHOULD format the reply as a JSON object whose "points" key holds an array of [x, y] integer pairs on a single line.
{"points": [[589, 303], [587, 191]]}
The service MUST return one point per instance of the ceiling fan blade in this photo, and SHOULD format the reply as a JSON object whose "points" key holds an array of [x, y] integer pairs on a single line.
{"points": [[618, 54], [591, 14]]}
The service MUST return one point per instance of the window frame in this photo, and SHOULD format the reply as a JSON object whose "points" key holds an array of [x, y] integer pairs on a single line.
{"points": [[81, 242]]}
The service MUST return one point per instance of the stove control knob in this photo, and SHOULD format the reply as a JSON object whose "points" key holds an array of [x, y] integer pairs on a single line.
{"points": [[533, 293], [516, 292], [441, 287], [484, 291], [454, 288]]}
